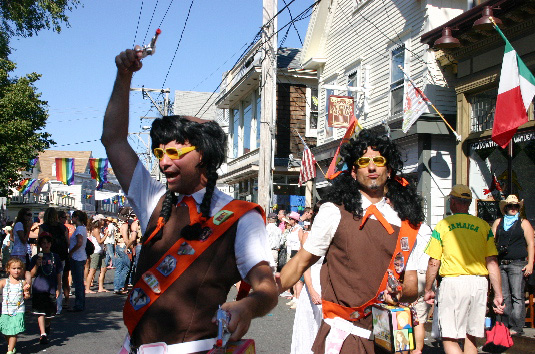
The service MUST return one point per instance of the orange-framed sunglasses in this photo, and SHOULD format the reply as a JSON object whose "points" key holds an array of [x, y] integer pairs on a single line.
{"points": [[173, 153]]}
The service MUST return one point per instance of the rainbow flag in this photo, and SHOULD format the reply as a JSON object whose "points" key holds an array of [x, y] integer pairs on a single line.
{"points": [[32, 162], [23, 184], [65, 170], [99, 170], [337, 165], [40, 186], [28, 186]]}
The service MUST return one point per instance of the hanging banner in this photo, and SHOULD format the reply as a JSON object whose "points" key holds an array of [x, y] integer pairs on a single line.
{"points": [[341, 109], [65, 170]]}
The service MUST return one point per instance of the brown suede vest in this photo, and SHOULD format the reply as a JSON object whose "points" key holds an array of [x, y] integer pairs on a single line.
{"points": [[352, 273], [184, 312]]}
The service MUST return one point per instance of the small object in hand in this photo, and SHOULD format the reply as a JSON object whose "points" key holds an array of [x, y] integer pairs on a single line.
{"points": [[150, 48], [40, 255], [223, 334]]}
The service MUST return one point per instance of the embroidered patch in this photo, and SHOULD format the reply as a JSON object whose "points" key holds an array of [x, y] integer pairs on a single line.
{"points": [[222, 216], [355, 315], [138, 298], [185, 249], [399, 262], [206, 232], [167, 266], [404, 243], [367, 310], [150, 279]]}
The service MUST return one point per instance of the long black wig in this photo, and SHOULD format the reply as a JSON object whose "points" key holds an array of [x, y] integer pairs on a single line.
{"points": [[345, 189], [209, 140]]}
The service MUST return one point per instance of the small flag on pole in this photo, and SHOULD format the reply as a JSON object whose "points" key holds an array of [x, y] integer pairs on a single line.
{"points": [[65, 170], [40, 186], [28, 186], [308, 166], [414, 106], [515, 93], [99, 170], [337, 165]]}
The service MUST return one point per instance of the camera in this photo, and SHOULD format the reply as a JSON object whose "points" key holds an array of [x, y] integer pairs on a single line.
{"points": [[502, 250]]}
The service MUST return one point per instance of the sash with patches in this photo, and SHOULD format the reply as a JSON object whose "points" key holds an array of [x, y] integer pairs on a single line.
{"points": [[177, 259], [406, 238]]}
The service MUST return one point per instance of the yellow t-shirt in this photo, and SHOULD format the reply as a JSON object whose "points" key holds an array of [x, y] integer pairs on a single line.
{"points": [[462, 242]]}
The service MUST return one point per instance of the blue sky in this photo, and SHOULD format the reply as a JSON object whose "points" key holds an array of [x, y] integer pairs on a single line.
{"points": [[78, 68]]}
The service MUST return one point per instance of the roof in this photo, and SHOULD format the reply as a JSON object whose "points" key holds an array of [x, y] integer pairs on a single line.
{"points": [[48, 157], [288, 58]]}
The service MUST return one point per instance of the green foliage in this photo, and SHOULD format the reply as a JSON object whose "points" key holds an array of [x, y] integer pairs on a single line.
{"points": [[23, 114]]}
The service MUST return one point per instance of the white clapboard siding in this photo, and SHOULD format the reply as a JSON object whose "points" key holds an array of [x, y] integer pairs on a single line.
{"points": [[442, 165], [353, 39]]}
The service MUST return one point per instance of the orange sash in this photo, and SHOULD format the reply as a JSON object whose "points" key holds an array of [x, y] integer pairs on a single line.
{"points": [[176, 260], [332, 310]]}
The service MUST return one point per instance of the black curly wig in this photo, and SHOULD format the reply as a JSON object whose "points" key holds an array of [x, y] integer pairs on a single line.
{"points": [[345, 190], [210, 140]]}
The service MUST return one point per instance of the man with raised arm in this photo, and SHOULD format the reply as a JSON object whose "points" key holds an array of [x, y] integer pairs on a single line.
{"points": [[197, 241], [366, 228]]}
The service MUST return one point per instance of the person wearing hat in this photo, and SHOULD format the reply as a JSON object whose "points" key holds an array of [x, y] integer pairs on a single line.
{"points": [[274, 235], [514, 240], [197, 241], [370, 215], [462, 250]]}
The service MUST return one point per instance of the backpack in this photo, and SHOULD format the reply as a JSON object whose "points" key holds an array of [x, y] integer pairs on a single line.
{"points": [[89, 247]]}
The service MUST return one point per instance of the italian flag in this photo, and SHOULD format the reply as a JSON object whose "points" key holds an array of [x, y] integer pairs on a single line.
{"points": [[515, 92]]}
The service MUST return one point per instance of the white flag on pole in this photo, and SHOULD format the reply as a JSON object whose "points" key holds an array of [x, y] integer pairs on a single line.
{"points": [[414, 106]]}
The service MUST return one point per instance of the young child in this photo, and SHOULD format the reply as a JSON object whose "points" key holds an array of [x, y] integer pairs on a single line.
{"points": [[13, 295], [46, 267]]}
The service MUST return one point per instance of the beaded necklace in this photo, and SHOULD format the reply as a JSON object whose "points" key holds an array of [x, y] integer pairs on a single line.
{"points": [[51, 266], [19, 296]]}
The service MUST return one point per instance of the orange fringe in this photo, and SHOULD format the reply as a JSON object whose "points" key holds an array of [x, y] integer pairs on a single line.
{"points": [[402, 181]]}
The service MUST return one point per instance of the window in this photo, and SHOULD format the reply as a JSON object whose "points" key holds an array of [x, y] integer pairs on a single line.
{"points": [[397, 80], [483, 105], [235, 118], [312, 112], [353, 80], [247, 124]]}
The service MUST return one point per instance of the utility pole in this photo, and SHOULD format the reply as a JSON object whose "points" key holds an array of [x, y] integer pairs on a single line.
{"points": [[268, 103], [163, 109]]}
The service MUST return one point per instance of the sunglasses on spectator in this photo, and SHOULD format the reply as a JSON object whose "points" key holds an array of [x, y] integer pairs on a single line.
{"points": [[173, 153], [379, 161]]}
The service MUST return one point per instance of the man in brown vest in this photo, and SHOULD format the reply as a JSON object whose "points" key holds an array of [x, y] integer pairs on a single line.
{"points": [[197, 241], [368, 224]]}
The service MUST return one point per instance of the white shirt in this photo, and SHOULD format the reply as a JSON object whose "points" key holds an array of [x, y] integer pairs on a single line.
{"points": [[79, 254], [251, 245], [274, 235], [110, 239], [292, 240], [328, 218]]}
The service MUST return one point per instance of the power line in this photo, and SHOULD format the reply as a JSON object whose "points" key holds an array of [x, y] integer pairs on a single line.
{"points": [[165, 14], [292, 20], [150, 22], [179, 41], [137, 27]]}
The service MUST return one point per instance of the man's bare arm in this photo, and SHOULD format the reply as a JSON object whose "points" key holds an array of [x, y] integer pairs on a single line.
{"points": [[410, 286], [115, 128], [263, 298], [496, 282], [293, 270]]}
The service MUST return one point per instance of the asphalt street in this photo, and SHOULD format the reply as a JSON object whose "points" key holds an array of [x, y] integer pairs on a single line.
{"points": [[100, 328]]}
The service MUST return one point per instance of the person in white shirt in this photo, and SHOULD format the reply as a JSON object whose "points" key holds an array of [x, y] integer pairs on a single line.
{"points": [[366, 222], [274, 235], [109, 242], [190, 151]]}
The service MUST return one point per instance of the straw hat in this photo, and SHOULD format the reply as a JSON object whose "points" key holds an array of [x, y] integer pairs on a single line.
{"points": [[461, 191], [511, 199]]}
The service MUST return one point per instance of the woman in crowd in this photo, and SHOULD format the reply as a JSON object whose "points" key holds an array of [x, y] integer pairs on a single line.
{"points": [[64, 219], [514, 239], [135, 247], [7, 244], [96, 236], [293, 245], [78, 258], [308, 314], [122, 262], [60, 241]]}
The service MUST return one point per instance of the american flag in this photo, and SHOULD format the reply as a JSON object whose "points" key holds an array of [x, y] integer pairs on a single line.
{"points": [[308, 166]]}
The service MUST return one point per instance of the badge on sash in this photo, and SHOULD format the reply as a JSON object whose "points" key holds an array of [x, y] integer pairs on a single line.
{"points": [[185, 249], [399, 263], [404, 243], [150, 279], [138, 298], [222, 216], [355, 315], [206, 232], [167, 266]]}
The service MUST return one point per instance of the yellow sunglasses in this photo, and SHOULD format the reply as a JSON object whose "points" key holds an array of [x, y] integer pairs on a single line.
{"points": [[379, 161], [173, 153]]}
